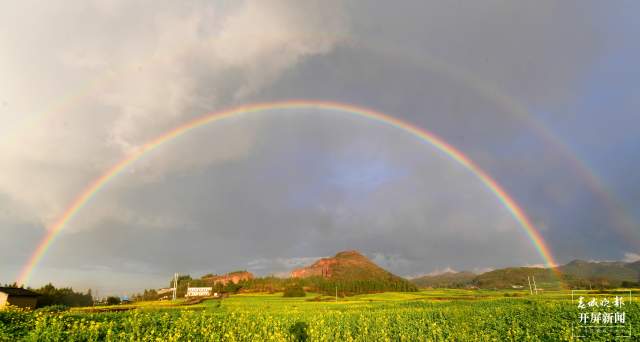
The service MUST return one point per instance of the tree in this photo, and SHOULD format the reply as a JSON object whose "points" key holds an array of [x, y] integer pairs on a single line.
{"points": [[50, 295], [149, 294], [112, 300], [294, 290], [232, 287]]}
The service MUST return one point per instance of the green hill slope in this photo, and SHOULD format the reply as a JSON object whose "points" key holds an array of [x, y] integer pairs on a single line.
{"points": [[517, 277], [445, 280], [576, 274], [614, 271]]}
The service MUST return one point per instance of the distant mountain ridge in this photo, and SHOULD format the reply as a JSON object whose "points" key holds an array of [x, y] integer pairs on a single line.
{"points": [[575, 274], [445, 280], [613, 270]]}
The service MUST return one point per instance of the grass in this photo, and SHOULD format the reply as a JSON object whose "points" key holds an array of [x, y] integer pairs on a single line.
{"points": [[424, 315], [275, 301]]}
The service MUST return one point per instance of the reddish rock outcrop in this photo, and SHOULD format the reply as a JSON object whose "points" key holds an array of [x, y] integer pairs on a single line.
{"points": [[234, 277], [321, 268], [326, 267]]}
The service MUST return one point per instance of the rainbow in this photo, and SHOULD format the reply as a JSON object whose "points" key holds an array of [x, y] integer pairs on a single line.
{"points": [[619, 214], [94, 187]]}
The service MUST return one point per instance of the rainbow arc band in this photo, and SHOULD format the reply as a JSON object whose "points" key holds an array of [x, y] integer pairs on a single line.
{"points": [[95, 186]]}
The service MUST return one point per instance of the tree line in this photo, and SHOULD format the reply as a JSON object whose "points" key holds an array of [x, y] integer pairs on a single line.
{"points": [[63, 296], [270, 284]]}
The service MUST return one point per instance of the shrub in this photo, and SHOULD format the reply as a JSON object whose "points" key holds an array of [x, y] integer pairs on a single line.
{"points": [[113, 300], [294, 291], [53, 308]]}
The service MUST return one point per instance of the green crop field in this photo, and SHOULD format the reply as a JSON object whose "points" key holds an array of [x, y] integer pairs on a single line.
{"points": [[435, 315]]}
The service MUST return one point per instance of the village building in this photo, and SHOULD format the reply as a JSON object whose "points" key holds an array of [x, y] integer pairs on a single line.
{"points": [[19, 297], [199, 292], [165, 293]]}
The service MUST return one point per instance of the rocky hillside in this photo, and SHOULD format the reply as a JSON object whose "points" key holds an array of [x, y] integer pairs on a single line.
{"points": [[234, 277], [353, 271], [344, 265]]}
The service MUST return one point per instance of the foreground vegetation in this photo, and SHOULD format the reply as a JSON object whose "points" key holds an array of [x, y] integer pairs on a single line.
{"points": [[430, 315]]}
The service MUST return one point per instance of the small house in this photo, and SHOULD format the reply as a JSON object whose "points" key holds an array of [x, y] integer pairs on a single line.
{"points": [[19, 297], [199, 292], [164, 294]]}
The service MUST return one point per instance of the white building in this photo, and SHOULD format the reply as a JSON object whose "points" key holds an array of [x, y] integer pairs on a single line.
{"points": [[199, 292], [164, 291]]}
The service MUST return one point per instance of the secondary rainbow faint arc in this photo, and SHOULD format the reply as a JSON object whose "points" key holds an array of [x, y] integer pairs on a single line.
{"points": [[618, 211], [95, 186]]}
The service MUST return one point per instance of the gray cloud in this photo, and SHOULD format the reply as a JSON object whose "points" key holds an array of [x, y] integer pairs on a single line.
{"points": [[318, 186], [121, 87], [89, 82]]}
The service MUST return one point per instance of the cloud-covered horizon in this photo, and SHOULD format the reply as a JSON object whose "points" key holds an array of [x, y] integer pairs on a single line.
{"points": [[87, 83]]}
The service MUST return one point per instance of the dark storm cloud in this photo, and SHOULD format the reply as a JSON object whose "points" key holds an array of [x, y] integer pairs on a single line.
{"points": [[531, 168]]}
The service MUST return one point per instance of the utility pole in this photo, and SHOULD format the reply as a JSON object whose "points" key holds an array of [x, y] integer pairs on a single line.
{"points": [[529, 281], [336, 293], [175, 285], [534, 284]]}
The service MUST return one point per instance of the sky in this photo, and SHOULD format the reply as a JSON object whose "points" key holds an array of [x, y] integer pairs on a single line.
{"points": [[543, 96]]}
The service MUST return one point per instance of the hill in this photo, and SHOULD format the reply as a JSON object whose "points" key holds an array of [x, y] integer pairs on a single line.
{"points": [[347, 265], [577, 274], [515, 277], [234, 277], [445, 280], [352, 272], [615, 271]]}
